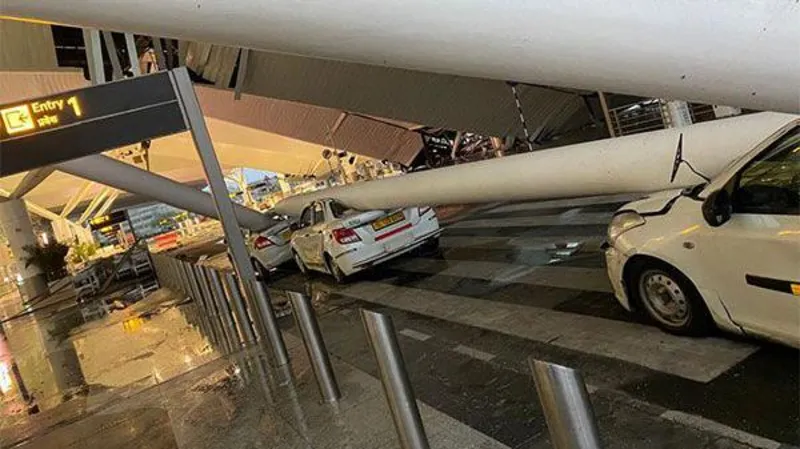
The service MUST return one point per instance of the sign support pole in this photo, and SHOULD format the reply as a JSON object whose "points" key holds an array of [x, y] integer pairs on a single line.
{"points": [[233, 234]]}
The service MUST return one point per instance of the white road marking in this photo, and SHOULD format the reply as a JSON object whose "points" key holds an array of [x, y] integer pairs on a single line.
{"points": [[572, 202], [707, 425], [700, 360], [591, 279], [474, 353], [566, 220], [416, 335], [521, 242]]}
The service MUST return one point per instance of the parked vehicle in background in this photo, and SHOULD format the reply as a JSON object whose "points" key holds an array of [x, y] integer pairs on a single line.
{"points": [[724, 253], [270, 248], [334, 239]]}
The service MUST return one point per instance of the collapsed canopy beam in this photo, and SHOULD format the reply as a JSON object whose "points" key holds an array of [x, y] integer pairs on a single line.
{"points": [[111, 172], [632, 164], [731, 53]]}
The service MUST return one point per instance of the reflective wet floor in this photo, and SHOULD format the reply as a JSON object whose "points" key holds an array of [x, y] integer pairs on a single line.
{"points": [[511, 282]]}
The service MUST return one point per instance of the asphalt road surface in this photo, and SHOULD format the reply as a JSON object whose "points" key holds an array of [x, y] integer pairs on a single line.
{"points": [[519, 281]]}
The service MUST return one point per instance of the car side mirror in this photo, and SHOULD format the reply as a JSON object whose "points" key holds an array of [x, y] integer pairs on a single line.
{"points": [[717, 208]]}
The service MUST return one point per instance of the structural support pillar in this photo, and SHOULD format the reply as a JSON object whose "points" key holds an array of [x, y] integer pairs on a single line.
{"points": [[16, 225], [680, 114], [606, 114], [726, 111], [94, 55], [133, 55]]}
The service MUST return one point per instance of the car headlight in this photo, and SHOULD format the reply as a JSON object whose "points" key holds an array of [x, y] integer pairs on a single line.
{"points": [[622, 223]]}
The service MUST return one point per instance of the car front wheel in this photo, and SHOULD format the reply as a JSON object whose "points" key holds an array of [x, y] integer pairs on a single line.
{"points": [[670, 299]]}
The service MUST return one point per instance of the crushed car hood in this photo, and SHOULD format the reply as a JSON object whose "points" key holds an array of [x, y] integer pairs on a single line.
{"points": [[653, 203]]}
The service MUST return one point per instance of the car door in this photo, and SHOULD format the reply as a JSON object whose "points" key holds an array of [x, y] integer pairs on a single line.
{"points": [[758, 249], [315, 235], [300, 237]]}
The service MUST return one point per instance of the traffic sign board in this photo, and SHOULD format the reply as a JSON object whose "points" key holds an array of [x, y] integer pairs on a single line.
{"points": [[77, 123]]}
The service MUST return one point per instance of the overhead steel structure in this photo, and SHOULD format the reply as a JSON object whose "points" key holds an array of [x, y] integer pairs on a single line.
{"points": [[734, 53]]}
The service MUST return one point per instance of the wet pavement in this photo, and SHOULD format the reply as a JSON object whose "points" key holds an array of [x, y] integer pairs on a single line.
{"points": [[511, 282]]}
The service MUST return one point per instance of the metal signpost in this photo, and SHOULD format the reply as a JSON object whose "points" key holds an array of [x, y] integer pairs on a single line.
{"points": [[33, 134], [44, 130], [219, 191]]}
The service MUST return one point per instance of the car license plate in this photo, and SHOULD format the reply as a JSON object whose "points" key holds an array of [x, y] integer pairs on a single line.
{"points": [[286, 235], [384, 222]]}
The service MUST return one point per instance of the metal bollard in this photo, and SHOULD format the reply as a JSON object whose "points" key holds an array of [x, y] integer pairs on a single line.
{"points": [[566, 405], [211, 313], [240, 309], [211, 304], [205, 322], [223, 311], [315, 346], [270, 322], [399, 394]]}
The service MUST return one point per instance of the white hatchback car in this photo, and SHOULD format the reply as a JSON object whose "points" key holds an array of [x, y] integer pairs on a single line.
{"points": [[334, 239], [726, 252]]}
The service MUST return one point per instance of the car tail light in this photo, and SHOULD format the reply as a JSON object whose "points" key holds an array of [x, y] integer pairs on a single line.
{"points": [[345, 236], [423, 210], [262, 242]]}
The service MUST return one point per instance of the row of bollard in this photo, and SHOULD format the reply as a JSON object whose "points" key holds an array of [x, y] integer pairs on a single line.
{"points": [[232, 322], [221, 314]]}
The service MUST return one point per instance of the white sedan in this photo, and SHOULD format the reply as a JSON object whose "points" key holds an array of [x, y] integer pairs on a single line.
{"points": [[334, 239], [270, 248]]}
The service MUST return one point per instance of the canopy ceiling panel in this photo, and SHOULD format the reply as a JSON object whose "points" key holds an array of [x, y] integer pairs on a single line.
{"points": [[443, 101], [23, 84], [26, 46], [319, 125]]}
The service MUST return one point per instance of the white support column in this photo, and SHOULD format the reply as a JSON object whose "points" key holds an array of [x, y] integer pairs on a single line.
{"points": [[159, 53], [111, 48], [93, 205], [679, 114], [726, 111], [16, 225], [606, 113], [75, 200], [38, 210], [94, 55], [241, 75], [133, 55], [107, 205]]}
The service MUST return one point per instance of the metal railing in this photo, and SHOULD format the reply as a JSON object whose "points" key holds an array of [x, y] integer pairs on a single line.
{"points": [[652, 115], [638, 117]]}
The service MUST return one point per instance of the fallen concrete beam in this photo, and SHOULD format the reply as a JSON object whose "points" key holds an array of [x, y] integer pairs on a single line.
{"points": [[631, 164], [732, 53]]}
